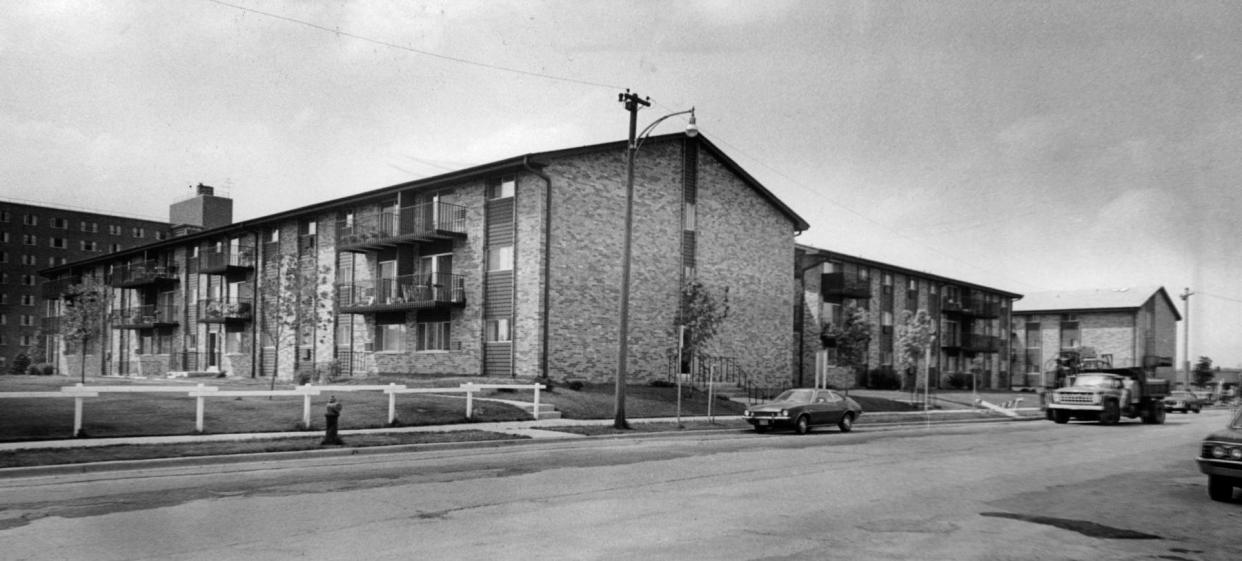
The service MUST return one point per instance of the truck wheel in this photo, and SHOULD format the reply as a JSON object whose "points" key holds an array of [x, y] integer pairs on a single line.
{"points": [[1060, 416], [802, 425], [1220, 488], [1111, 413], [1157, 415]]}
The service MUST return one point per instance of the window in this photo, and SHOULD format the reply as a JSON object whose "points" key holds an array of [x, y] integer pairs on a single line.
{"points": [[90, 227], [4, 237], [235, 342], [4, 318], [500, 258], [912, 285], [1070, 335], [498, 330], [390, 338], [503, 189], [30, 239], [273, 235], [27, 320], [89, 245], [115, 230], [30, 220], [60, 223], [28, 300], [29, 259], [4, 278], [433, 336], [159, 235], [4, 299], [4, 257], [117, 247], [58, 243], [27, 340], [1034, 345], [28, 280], [138, 232], [4, 216]]}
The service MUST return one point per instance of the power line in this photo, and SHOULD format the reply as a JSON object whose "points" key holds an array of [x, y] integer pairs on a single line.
{"points": [[339, 32]]}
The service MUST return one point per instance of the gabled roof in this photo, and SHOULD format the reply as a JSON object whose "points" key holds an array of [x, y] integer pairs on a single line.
{"points": [[530, 161], [1093, 300], [838, 256]]}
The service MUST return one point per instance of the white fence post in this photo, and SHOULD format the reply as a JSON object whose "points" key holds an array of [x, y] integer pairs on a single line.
{"points": [[470, 400], [198, 414], [77, 416], [537, 386], [392, 403], [306, 402]]}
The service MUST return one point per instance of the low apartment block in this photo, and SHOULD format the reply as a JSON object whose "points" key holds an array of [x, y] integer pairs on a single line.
{"points": [[512, 268], [972, 321], [1128, 326]]}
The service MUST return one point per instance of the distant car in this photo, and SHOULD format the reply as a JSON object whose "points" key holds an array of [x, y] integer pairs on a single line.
{"points": [[802, 409], [1220, 458], [1183, 401]]}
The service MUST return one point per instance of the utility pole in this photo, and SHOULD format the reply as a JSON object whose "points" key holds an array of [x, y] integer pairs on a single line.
{"points": [[632, 103], [1185, 295]]}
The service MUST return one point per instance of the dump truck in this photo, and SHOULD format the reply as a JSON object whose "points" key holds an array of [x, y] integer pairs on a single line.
{"points": [[1108, 394]]}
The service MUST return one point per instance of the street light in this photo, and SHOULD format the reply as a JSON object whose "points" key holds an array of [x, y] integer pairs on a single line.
{"points": [[633, 103]]}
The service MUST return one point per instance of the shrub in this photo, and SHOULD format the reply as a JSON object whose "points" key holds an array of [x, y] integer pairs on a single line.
{"points": [[884, 379], [575, 385], [20, 363], [957, 380], [662, 384], [41, 369]]}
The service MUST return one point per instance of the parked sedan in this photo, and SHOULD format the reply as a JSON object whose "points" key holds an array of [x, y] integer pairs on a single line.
{"points": [[1220, 457], [802, 409], [1183, 401]]}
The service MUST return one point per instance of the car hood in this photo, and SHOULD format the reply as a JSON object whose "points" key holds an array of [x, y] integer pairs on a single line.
{"points": [[777, 406], [1226, 435]]}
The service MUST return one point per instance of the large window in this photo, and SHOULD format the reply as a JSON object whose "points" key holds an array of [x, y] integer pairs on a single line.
{"points": [[1034, 347], [433, 336], [390, 338], [505, 188], [1070, 336]]}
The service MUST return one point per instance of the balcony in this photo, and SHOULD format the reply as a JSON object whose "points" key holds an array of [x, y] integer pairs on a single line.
{"points": [[144, 317], [410, 225], [970, 307], [141, 274], [224, 310], [50, 324], [972, 343], [837, 285], [226, 259], [55, 288], [406, 292]]}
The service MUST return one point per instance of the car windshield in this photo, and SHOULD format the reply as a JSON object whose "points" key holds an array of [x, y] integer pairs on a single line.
{"points": [[1095, 381], [796, 396]]}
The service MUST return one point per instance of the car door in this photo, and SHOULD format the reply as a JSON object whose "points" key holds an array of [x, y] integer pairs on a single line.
{"points": [[833, 406]]}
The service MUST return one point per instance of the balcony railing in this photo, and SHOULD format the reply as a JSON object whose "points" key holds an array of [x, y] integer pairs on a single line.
{"points": [[138, 274], [413, 224], [972, 343], [54, 288], [144, 317], [224, 310], [973, 307], [838, 285], [406, 292], [213, 261]]}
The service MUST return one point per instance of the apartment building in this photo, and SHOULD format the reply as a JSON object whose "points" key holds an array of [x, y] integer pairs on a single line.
{"points": [[1129, 326], [34, 237], [972, 321], [511, 268]]}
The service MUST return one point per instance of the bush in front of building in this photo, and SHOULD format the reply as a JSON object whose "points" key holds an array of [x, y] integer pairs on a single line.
{"points": [[883, 379], [20, 363], [957, 380], [41, 369]]}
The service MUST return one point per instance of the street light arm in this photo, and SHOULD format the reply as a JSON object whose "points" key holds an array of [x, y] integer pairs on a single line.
{"points": [[691, 129]]}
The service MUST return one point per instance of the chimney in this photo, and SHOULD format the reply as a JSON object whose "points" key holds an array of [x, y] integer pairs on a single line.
{"points": [[202, 211]]}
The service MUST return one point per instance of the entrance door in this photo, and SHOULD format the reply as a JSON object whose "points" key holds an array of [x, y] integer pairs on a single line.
{"points": [[213, 351], [439, 269]]}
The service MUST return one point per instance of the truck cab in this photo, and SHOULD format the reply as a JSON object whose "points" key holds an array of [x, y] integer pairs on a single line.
{"points": [[1108, 394]]}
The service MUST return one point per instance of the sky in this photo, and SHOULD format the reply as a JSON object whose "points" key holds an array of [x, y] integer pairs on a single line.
{"points": [[1023, 146]]}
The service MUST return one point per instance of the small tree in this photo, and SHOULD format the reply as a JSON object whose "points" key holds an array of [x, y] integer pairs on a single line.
{"points": [[915, 337], [20, 363], [289, 298], [851, 339], [1203, 371], [703, 313], [86, 304]]}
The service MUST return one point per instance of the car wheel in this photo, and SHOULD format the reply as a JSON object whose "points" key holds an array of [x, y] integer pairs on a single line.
{"points": [[1111, 413], [803, 425], [1060, 416], [1158, 416], [1220, 488], [1197, 409], [846, 424]]}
